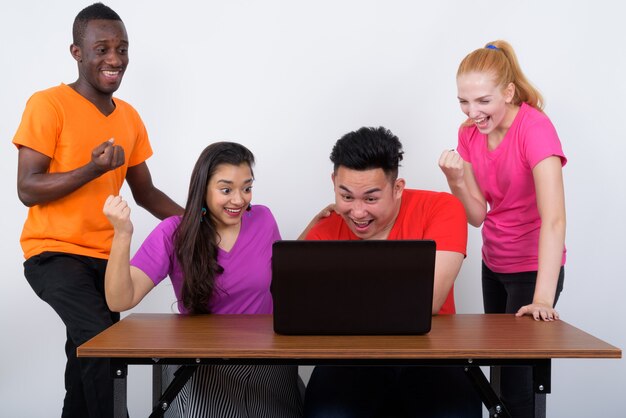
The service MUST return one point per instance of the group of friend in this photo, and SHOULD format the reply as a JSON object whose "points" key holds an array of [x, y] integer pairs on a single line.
{"points": [[77, 144]]}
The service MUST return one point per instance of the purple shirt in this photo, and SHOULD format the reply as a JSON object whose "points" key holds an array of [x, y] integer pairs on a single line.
{"points": [[243, 287], [504, 175]]}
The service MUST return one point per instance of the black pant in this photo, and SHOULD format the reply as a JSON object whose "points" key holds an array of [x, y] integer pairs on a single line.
{"points": [[384, 391], [506, 293], [73, 286]]}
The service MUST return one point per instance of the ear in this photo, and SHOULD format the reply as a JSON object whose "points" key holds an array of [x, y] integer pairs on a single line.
{"points": [[398, 188], [509, 93], [76, 53], [332, 177]]}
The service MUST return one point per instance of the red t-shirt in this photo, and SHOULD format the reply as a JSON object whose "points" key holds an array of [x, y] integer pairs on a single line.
{"points": [[423, 215]]}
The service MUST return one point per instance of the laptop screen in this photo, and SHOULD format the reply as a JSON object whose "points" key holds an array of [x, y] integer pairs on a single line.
{"points": [[353, 287]]}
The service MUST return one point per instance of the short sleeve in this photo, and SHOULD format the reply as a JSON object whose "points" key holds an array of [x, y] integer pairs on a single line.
{"points": [[39, 127], [540, 142], [270, 222], [156, 255], [447, 224]]}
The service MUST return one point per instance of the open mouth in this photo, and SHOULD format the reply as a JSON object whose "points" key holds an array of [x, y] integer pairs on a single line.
{"points": [[232, 212], [112, 75], [482, 123], [362, 225]]}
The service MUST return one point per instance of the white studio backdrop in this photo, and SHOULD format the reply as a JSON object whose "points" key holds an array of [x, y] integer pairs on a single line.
{"points": [[287, 79]]}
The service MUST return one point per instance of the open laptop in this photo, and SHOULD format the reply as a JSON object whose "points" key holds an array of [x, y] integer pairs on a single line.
{"points": [[363, 287]]}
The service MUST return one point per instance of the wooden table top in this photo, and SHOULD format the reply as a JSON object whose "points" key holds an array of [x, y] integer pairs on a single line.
{"points": [[465, 336]]}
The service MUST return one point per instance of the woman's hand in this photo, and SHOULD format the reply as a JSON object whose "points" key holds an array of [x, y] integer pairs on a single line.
{"points": [[117, 212], [452, 166], [539, 311]]}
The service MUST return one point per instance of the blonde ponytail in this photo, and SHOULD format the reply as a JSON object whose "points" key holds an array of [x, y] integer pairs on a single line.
{"points": [[499, 59]]}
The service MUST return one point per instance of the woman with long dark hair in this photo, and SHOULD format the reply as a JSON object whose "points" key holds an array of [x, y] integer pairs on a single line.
{"points": [[218, 257]]}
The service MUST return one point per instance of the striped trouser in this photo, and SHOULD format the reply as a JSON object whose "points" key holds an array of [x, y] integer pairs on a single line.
{"points": [[237, 391]]}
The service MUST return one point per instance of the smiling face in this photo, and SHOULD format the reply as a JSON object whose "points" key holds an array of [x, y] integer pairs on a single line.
{"points": [[367, 200], [485, 103], [229, 193], [102, 58]]}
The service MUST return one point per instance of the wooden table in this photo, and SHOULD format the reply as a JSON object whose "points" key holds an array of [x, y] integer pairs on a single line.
{"points": [[468, 340]]}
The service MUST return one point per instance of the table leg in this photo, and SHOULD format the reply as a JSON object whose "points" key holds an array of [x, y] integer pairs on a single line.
{"points": [[540, 405], [490, 399], [542, 370], [181, 376], [542, 385], [120, 372], [494, 378], [157, 383]]}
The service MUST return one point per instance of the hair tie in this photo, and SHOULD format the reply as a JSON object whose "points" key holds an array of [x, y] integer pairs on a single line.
{"points": [[492, 47]]}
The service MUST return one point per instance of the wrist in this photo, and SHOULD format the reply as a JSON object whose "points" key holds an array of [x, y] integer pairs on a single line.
{"points": [[543, 301], [122, 235], [456, 184], [93, 170]]}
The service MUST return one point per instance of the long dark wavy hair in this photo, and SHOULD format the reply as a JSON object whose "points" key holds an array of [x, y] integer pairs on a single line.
{"points": [[196, 241]]}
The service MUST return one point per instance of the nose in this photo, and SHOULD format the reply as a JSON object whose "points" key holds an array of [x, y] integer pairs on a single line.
{"points": [[472, 111], [358, 209], [114, 58], [236, 198]]}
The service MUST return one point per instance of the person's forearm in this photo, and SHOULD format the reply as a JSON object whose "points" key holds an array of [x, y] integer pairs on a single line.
{"points": [[158, 204], [305, 232], [551, 245], [118, 283], [447, 267], [40, 188], [475, 210], [324, 213]]}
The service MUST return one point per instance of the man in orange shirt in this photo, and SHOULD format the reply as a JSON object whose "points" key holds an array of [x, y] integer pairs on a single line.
{"points": [[371, 203], [77, 144]]}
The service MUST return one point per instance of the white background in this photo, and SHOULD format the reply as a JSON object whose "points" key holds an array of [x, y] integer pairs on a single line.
{"points": [[287, 79]]}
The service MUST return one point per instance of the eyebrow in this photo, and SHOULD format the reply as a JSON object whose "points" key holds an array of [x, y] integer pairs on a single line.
{"points": [[370, 191], [107, 41], [231, 182], [478, 98]]}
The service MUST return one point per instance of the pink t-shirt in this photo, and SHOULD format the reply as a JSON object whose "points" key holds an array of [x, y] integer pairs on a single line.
{"points": [[245, 283], [504, 175]]}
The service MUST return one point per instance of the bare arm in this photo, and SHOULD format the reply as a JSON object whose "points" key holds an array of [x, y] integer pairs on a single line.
{"points": [[125, 286], [462, 183], [324, 213], [447, 267], [36, 186], [147, 195], [548, 177]]}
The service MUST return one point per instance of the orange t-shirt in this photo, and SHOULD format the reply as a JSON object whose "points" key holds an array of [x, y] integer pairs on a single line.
{"points": [[65, 126], [423, 215]]}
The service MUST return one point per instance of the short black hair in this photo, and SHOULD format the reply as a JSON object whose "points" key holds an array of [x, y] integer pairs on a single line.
{"points": [[96, 11], [368, 148]]}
